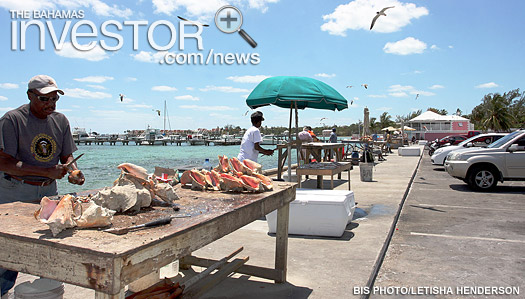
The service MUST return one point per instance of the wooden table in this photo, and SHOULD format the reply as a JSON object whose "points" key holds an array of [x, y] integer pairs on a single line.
{"points": [[316, 149], [107, 263], [324, 168]]}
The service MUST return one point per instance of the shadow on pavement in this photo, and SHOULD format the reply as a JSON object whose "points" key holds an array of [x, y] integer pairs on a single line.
{"points": [[428, 208], [498, 190]]}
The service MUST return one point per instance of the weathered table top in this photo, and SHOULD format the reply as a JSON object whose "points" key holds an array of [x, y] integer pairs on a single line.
{"points": [[107, 262]]}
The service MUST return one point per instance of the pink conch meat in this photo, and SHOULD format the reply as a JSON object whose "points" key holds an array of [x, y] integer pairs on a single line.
{"points": [[62, 217], [134, 170]]}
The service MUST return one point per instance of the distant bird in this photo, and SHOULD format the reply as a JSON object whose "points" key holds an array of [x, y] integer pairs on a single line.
{"points": [[417, 96], [365, 86], [121, 97], [158, 111], [349, 86], [196, 23], [245, 113], [351, 102], [378, 14], [322, 119]]}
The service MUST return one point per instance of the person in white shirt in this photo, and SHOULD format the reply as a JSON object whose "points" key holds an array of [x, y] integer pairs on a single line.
{"points": [[250, 144]]}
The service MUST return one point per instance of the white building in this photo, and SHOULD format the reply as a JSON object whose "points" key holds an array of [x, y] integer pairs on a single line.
{"points": [[430, 125]]}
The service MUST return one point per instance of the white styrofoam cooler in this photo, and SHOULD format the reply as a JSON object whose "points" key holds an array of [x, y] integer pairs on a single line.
{"points": [[409, 151], [318, 213]]}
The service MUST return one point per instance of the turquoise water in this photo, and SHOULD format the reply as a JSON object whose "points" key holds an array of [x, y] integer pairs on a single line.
{"points": [[99, 163]]}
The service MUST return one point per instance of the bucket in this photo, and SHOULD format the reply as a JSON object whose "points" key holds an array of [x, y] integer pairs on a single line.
{"points": [[365, 170], [41, 288]]}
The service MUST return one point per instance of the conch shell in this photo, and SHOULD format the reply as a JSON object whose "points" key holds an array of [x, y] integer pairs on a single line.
{"points": [[266, 182], [134, 170], [251, 183], [252, 165], [58, 215], [231, 183], [223, 166], [237, 166]]}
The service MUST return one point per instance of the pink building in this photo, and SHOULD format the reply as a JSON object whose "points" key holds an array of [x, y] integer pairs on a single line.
{"points": [[430, 125]]}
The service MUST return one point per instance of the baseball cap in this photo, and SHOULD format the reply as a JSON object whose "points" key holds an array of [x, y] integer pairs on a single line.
{"points": [[43, 84]]}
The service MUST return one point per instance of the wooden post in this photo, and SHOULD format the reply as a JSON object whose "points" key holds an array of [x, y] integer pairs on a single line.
{"points": [[281, 247]]}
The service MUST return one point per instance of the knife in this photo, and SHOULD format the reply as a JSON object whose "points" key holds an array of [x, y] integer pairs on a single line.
{"points": [[125, 230], [68, 165]]}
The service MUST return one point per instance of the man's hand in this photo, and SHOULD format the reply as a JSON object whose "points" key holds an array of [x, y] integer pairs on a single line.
{"points": [[57, 172], [269, 152], [76, 177]]}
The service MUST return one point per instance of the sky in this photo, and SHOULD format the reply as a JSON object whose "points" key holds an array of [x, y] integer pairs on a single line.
{"points": [[445, 54]]}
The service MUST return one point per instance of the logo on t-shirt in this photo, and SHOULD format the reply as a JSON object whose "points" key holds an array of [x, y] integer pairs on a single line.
{"points": [[43, 147]]}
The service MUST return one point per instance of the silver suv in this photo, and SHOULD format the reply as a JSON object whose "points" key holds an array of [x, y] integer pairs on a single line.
{"points": [[482, 168]]}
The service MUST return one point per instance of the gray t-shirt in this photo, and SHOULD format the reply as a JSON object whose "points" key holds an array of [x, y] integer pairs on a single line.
{"points": [[34, 141]]}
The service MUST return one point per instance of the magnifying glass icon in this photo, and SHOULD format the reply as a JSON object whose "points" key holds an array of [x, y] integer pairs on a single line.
{"points": [[228, 19]]}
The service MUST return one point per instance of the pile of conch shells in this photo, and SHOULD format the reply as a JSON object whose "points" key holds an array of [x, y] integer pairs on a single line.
{"points": [[67, 212], [230, 175], [134, 189]]}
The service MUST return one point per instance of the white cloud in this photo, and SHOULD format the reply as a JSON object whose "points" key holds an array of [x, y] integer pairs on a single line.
{"points": [[399, 91], [384, 109], [207, 108], [406, 46], [358, 15], [131, 79], [2, 98], [434, 47], [248, 79], [488, 85], [450, 47], [436, 86], [151, 57], [190, 88], [94, 79], [376, 96], [323, 75], [8, 85], [97, 86], [96, 54], [26, 5], [206, 9], [163, 88], [186, 98], [356, 98], [82, 93], [140, 106], [223, 89], [399, 94]]}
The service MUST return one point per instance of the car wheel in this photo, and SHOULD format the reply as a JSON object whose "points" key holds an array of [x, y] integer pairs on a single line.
{"points": [[482, 178], [444, 161], [430, 152]]}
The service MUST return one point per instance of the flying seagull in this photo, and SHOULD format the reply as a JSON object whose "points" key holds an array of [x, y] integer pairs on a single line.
{"points": [[158, 111], [378, 14], [365, 86], [349, 86], [351, 102], [121, 97], [205, 25], [417, 96]]}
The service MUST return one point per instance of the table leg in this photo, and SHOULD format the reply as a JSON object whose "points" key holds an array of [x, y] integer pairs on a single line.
{"points": [[280, 164], [281, 246], [332, 181], [319, 182], [299, 179], [349, 188], [100, 295]]}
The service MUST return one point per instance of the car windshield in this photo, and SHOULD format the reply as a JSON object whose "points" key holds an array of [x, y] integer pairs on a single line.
{"points": [[469, 140], [503, 140]]}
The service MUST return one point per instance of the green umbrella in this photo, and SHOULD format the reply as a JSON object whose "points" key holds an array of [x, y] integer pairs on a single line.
{"points": [[282, 91], [299, 93]]}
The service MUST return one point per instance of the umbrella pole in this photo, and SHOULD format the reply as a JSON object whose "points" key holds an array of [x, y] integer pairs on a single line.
{"points": [[298, 146], [290, 145]]}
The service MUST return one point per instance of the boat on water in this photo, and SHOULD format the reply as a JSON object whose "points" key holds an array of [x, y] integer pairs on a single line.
{"points": [[80, 135], [154, 137], [196, 139]]}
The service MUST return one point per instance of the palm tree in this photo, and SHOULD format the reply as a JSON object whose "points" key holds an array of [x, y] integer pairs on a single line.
{"points": [[385, 120], [497, 114]]}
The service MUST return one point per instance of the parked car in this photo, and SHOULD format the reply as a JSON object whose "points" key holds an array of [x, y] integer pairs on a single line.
{"points": [[472, 133], [440, 155], [482, 168], [453, 139]]}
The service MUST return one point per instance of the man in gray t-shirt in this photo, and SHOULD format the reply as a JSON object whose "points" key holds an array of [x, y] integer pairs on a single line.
{"points": [[34, 138]]}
